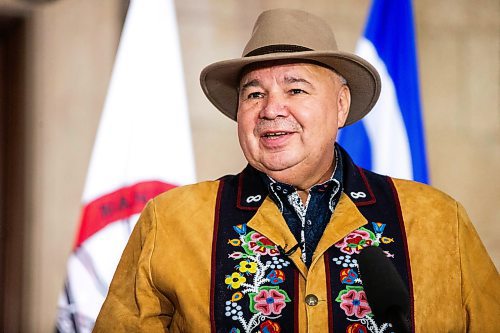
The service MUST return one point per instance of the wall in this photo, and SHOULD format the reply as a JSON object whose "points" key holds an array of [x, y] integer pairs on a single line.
{"points": [[72, 44], [460, 75]]}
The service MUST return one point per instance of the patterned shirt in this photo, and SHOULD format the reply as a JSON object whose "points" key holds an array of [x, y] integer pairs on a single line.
{"points": [[308, 221]]}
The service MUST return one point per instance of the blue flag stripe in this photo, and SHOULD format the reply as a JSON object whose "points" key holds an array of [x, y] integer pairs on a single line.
{"points": [[390, 29], [359, 148]]}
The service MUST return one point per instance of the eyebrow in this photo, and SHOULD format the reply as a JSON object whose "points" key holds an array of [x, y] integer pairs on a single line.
{"points": [[252, 83], [288, 80], [291, 79]]}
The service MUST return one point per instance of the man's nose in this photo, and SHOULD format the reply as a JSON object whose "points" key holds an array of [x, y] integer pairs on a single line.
{"points": [[275, 106]]}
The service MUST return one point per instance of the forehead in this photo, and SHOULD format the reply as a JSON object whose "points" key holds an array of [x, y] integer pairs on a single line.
{"points": [[302, 69]]}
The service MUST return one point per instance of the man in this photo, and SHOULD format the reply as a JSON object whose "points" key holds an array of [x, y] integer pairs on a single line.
{"points": [[274, 248]]}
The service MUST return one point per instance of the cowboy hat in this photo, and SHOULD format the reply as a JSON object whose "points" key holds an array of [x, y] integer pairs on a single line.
{"points": [[289, 34]]}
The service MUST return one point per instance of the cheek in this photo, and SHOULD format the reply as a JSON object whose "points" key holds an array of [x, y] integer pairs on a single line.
{"points": [[246, 120], [318, 117], [322, 123], [245, 133], [244, 125]]}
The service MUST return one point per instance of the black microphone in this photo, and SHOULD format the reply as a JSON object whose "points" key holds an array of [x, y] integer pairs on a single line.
{"points": [[384, 288]]}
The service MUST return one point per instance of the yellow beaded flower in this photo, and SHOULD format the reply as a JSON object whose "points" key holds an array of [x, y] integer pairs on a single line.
{"points": [[235, 280], [248, 267]]}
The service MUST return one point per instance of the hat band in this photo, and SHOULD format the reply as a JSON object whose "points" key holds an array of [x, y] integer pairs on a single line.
{"points": [[276, 49]]}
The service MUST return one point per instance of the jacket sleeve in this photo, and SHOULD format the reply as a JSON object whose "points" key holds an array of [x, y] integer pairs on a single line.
{"points": [[133, 303], [480, 279]]}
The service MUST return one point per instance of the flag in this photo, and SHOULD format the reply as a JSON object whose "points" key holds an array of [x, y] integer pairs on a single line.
{"points": [[142, 148], [390, 139]]}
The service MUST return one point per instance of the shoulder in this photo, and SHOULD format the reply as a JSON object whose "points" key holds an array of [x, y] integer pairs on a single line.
{"points": [[407, 190], [189, 197], [424, 200], [186, 191], [187, 194], [416, 190]]}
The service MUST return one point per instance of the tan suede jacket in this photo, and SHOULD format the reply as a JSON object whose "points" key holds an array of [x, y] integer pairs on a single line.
{"points": [[163, 281]]}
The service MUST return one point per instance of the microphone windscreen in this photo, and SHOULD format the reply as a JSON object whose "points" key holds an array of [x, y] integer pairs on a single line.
{"points": [[384, 288]]}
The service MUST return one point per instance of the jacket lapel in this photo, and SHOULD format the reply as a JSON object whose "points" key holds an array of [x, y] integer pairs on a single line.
{"points": [[269, 222], [346, 218], [252, 195]]}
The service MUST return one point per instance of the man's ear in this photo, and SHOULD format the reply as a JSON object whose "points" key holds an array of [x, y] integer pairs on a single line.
{"points": [[343, 105]]}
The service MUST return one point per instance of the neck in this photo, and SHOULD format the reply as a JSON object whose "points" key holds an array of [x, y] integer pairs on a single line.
{"points": [[303, 192], [305, 178]]}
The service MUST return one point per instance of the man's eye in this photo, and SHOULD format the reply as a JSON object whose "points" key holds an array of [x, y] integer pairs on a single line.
{"points": [[255, 95], [296, 91]]}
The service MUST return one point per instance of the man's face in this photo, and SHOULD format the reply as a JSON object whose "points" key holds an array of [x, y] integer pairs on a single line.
{"points": [[288, 118]]}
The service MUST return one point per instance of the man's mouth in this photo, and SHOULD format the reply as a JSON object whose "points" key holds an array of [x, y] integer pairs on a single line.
{"points": [[274, 134]]}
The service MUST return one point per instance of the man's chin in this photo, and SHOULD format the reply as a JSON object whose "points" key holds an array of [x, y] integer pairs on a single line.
{"points": [[274, 166], [282, 172]]}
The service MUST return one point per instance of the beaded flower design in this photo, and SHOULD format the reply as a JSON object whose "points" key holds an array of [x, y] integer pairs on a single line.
{"points": [[257, 277], [352, 299]]}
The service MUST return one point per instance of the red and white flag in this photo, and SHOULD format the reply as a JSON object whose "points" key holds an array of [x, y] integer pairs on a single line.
{"points": [[143, 147]]}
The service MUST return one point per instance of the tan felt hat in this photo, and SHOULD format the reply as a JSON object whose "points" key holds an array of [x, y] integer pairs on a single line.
{"points": [[289, 34]]}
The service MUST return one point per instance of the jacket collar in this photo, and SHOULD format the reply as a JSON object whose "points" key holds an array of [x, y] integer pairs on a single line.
{"points": [[356, 186], [252, 190]]}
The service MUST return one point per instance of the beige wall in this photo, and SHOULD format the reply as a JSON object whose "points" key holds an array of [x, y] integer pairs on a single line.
{"points": [[72, 45], [73, 48]]}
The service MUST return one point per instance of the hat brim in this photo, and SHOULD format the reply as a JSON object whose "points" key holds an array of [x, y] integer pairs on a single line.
{"points": [[219, 80]]}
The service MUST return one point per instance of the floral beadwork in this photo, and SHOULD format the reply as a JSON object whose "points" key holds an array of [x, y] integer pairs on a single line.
{"points": [[233, 310], [356, 328], [255, 243], [269, 300], [257, 278], [277, 263], [352, 299], [234, 280], [357, 240], [276, 276], [270, 326], [349, 276], [346, 261], [247, 267]]}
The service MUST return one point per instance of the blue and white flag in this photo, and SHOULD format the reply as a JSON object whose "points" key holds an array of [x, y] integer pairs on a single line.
{"points": [[390, 139]]}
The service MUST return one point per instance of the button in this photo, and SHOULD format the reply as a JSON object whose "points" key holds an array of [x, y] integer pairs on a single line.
{"points": [[311, 300], [309, 222]]}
